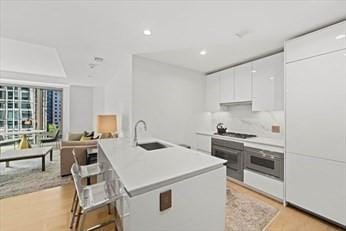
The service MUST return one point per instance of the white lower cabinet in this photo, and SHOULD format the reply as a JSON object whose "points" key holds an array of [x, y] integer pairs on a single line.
{"points": [[265, 184], [317, 185], [203, 143]]}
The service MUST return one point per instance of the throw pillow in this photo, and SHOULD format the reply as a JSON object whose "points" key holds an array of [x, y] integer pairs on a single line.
{"points": [[89, 134], [84, 138]]}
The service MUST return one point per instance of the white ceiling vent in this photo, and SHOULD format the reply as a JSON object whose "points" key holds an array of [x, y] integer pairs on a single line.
{"points": [[98, 59]]}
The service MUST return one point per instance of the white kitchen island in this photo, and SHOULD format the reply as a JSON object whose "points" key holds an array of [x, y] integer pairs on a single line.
{"points": [[193, 182]]}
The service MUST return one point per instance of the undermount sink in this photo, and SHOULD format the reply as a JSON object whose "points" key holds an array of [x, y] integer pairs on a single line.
{"points": [[152, 146]]}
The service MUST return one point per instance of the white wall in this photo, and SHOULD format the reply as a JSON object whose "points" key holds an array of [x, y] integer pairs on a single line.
{"points": [[168, 98], [98, 104], [81, 109], [117, 96]]}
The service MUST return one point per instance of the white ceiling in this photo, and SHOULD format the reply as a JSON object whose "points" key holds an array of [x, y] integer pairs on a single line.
{"points": [[80, 30]]}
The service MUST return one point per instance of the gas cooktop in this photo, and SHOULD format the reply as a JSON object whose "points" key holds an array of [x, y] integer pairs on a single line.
{"points": [[236, 135]]}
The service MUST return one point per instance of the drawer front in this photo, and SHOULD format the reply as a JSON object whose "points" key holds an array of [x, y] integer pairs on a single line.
{"points": [[319, 42], [317, 185], [266, 184]]}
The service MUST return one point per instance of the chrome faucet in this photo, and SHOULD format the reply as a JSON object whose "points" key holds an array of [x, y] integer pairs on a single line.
{"points": [[135, 138]]}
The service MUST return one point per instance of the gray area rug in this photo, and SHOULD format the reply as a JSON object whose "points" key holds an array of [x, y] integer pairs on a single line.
{"points": [[24, 176], [244, 213]]}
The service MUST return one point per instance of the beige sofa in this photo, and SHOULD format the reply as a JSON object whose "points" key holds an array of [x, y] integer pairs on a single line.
{"points": [[66, 156]]}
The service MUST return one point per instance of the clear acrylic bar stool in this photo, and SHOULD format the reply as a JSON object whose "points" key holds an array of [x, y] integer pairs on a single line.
{"points": [[84, 171], [88, 170], [92, 197]]}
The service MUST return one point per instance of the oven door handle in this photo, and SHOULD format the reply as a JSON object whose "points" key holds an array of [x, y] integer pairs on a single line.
{"points": [[268, 156], [227, 150]]}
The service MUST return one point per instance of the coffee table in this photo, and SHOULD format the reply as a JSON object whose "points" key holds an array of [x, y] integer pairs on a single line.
{"points": [[31, 153]]}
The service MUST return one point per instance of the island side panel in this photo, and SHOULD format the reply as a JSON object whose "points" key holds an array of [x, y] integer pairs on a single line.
{"points": [[198, 203], [122, 205]]}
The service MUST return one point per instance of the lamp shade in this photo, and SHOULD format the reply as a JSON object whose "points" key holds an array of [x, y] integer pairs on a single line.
{"points": [[106, 123]]}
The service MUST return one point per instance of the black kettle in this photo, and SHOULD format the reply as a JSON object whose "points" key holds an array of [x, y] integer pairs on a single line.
{"points": [[220, 128]]}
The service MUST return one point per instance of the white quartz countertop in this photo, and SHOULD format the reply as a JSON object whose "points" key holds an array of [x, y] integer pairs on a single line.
{"points": [[141, 171], [256, 142]]}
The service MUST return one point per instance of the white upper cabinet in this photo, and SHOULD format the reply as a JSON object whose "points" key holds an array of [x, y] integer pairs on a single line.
{"points": [[212, 93], [328, 39], [242, 83], [227, 86], [268, 83]]}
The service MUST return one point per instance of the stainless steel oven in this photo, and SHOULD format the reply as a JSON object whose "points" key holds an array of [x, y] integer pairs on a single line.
{"points": [[232, 152], [266, 162]]}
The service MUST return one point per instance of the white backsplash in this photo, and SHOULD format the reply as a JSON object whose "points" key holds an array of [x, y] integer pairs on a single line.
{"points": [[240, 118]]}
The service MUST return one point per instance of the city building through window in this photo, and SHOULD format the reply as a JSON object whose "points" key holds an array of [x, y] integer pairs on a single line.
{"points": [[28, 109]]}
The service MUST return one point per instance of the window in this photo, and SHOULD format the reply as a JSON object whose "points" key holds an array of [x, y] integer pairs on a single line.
{"points": [[2, 95], [2, 115], [12, 105], [20, 104], [26, 105], [16, 115], [10, 115], [26, 115], [25, 93], [15, 94], [10, 95], [12, 124]]}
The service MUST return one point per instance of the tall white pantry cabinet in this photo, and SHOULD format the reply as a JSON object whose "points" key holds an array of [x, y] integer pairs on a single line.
{"points": [[315, 106]]}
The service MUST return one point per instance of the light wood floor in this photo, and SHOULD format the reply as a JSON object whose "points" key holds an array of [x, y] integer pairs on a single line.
{"points": [[49, 210]]}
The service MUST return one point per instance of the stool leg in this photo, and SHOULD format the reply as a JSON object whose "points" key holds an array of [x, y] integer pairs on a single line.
{"points": [[74, 200], [82, 222], [78, 217], [109, 209], [74, 213]]}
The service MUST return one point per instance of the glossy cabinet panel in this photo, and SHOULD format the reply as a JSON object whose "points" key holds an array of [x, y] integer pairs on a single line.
{"points": [[264, 183], [317, 185], [316, 106], [268, 83], [227, 94], [242, 83], [212, 93], [328, 39]]}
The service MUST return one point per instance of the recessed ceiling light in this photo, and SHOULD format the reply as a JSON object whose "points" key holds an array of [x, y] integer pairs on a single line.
{"points": [[203, 52], [253, 71], [272, 78], [340, 36], [147, 32]]}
